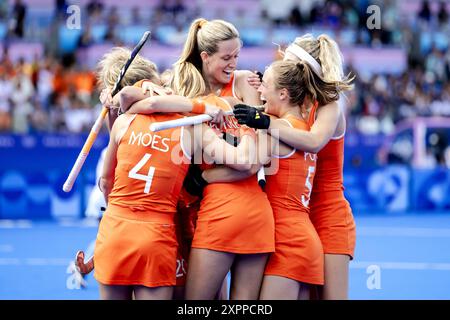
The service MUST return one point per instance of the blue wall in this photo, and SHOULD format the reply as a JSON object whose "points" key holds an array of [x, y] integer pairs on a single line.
{"points": [[33, 169]]}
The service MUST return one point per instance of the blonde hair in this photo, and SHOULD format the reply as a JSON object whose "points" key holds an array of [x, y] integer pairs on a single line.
{"points": [[298, 78], [205, 36], [108, 69], [327, 53], [166, 77]]}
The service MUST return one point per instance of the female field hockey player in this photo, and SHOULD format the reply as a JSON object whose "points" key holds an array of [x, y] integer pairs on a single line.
{"points": [[330, 211], [235, 221], [108, 70], [143, 173]]}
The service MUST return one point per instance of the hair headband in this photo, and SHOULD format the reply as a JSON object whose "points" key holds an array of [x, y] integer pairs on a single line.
{"points": [[305, 56]]}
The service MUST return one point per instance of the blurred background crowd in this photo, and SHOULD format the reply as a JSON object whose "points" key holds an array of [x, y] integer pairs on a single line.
{"points": [[54, 89]]}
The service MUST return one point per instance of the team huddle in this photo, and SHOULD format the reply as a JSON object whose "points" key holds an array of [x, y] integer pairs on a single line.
{"points": [[184, 206]]}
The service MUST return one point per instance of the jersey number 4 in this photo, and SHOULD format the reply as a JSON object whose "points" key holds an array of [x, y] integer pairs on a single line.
{"points": [[133, 174]]}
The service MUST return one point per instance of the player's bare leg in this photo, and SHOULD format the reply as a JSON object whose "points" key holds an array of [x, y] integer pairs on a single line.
{"points": [[336, 277], [157, 293], [108, 292], [279, 288], [207, 270], [247, 276], [223, 293], [179, 293], [305, 292]]}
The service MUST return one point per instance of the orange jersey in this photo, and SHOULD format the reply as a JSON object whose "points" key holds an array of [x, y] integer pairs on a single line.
{"points": [[147, 177], [136, 241], [291, 187], [331, 213], [330, 164], [234, 217], [298, 250], [228, 89]]}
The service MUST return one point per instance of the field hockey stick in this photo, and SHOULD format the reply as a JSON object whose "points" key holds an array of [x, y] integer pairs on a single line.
{"points": [[261, 176], [98, 123], [187, 121]]}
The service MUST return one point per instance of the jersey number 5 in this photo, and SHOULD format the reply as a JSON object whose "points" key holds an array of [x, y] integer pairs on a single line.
{"points": [[133, 174], [308, 184]]}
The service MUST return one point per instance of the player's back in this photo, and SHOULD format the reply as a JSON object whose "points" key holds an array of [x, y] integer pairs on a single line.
{"points": [[330, 165], [150, 167]]}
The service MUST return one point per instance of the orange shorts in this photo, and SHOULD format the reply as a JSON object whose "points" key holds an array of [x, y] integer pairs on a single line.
{"points": [[235, 217], [332, 217], [136, 248], [298, 250]]}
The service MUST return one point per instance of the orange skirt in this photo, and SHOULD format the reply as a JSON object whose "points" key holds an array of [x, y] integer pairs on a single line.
{"points": [[298, 250], [235, 217], [136, 248], [332, 217]]}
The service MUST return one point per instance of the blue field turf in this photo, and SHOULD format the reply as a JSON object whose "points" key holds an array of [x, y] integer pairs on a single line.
{"points": [[409, 253]]}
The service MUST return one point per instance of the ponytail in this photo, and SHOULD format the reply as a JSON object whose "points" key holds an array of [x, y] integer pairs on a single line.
{"points": [[327, 53], [331, 60], [187, 79], [203, 36], [299, 79]]}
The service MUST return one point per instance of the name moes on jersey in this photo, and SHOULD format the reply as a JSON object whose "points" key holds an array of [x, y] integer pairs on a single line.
{"points": [[151, 140]]}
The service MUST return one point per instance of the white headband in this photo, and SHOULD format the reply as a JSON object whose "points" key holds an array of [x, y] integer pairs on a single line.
{"points": [[305, 56]]}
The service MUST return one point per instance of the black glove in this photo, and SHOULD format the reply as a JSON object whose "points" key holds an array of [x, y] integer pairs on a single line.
{"points": [[251, 117], [194, 182], [260, 75]]}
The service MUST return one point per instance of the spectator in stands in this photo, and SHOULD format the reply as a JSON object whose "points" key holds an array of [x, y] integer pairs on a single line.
{"points": [[425, 12], [136, 18], [435, 64], [94, 10], [6, 90], [3, 9], [17, 21], [443, 14], [85, 39], [60, 8], [38, 118], [45, 83], [21, 107], [113, 18], [57, 114], [295, 17]]}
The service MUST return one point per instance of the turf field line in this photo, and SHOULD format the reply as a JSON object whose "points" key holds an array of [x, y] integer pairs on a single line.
{"points": [[35, 262], [10, 224], [401, 265], [403, 232]]}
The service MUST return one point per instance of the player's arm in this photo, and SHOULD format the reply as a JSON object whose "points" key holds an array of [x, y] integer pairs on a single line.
{"points": [[111, 103], [244, 90], [240, 157], [139, 91], [130, 95], [266, 146], [320, 133], [310, 141], [176, 104], [107, 178]]}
